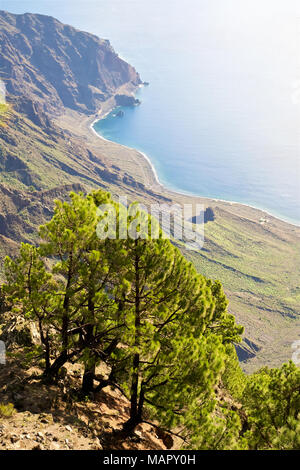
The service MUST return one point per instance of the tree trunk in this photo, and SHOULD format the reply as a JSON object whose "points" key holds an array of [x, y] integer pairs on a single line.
{"points": [[47, 351], [53, 370], [89, 366], [136, 407], [45, 342], [88, 379]]}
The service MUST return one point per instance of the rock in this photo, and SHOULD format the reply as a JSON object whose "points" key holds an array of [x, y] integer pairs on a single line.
{"points": [[205, 216], [97, 445], [126, 100], [86, 68], [77, 374], [33, 111], [54, 446], [17, 331], [40, 437], [46, 418], [165, 437], [44, 421], [68, 428], [38, 447]]}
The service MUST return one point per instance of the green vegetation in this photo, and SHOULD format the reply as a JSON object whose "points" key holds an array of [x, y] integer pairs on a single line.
{"points": [[6, 410], [259, 269], [272, 402], [137, 305], [4, 112], [258, 263]]}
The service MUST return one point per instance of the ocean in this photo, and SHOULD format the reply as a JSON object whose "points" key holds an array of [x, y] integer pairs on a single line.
{"points": [[221, 115]]}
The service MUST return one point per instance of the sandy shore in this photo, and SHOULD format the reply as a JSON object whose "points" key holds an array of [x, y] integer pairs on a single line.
{"points": [[155, 175], [165, 189], [254, 254]]}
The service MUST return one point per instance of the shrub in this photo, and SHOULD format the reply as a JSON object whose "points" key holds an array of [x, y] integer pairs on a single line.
{"points": [[6, 410]]}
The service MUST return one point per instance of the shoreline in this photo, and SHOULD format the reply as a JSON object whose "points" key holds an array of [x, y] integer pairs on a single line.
{"points": [[174, 191], [254, 254], [155, 175]]}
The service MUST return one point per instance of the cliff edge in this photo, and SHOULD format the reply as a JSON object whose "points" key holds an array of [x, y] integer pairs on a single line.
{"points": [[49, 66]]}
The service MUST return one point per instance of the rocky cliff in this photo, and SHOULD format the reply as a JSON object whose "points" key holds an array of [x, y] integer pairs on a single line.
{"points": [[49, 70], [49, 66]]}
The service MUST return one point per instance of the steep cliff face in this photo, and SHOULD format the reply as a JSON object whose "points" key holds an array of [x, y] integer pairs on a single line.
{"points": [[53, 65], [49, 68]]}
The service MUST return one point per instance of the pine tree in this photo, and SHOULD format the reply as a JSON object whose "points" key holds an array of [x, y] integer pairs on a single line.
{"points": [[64, 285], [31, 289], [272, 402], [135, 303], [171, 350]]}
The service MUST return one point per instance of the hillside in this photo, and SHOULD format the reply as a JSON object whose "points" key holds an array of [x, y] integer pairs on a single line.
{"points": [[54, 418], [129, 351], [47, 149], [48, 65]]}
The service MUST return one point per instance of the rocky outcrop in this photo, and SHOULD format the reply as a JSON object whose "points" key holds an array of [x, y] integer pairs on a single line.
{"points": [[33, 110], [16, 331], [56, 66], [35, 415], [126, 100], [205, 216], [246, 350]]}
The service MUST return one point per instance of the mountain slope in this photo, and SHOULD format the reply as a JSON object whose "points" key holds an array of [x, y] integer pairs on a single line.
{"points": [[55, 66], [48, 69], [47, 149]]}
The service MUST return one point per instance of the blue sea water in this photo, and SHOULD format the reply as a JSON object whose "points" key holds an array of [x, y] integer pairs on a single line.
{"points": [[221, 116]]}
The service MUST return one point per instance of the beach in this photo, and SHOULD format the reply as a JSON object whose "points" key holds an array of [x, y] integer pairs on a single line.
{"points": [[255, 255], [163, 188]]}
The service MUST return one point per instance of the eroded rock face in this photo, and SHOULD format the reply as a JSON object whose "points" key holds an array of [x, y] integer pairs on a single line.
{"points": [[126, 100], [57, 65], [246, 350], [15, 331]]}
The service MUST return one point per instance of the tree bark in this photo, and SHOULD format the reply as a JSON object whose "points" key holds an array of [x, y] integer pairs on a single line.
{"points": [[135, 409], [89, 366], [88, 379]]}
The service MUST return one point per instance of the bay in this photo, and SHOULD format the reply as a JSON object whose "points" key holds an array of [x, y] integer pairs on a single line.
{"points": [[221, 115]]}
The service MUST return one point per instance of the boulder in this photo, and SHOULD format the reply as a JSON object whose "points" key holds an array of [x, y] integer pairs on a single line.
{"points": [[15, 330]]}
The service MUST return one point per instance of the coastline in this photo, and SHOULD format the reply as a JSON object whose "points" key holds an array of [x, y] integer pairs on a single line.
{"points": [[253, 253], [155, 175], [165, 188]]}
